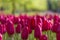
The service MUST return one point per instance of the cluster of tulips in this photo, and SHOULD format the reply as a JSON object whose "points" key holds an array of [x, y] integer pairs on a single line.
{"points": [[25, 25]]}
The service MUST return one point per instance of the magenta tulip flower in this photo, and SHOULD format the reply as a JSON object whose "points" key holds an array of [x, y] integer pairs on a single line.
{"points": [[24, 33], [18, 28], [10, 27], [44, 37], [38, 31]]}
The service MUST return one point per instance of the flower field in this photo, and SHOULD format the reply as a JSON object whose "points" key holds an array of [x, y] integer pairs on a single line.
{"points": [[30, 27]]}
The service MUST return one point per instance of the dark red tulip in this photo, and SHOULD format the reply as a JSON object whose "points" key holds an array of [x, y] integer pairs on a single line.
{"points": [[44, 37], [24, 33], [32, 23], [18, 28], [10, 27], [38, 31], [45, 26]]}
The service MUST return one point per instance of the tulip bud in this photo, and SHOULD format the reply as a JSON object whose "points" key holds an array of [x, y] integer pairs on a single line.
{"points": [[10, 27], [32, 23], [54, 28], [4, 29], [37, 31], [45, 26], [43, 37], [18, 28], [3, 19], [24, 33]]}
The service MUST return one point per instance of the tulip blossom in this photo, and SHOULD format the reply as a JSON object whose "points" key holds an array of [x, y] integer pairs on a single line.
{"points": [[10, 27], [18, 28], [45, 26], [32, 23], [24, 33], [2, 19], [2, 29], [44, 37], [38, 31]]}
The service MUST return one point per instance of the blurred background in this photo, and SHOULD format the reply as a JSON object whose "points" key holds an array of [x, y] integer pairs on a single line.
{"points": [[22, 6]]}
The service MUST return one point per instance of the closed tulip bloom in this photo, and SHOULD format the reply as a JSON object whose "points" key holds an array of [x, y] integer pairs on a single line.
{"points": [[45, 26], [2, 19], [10, 27], [44, 37], [18, 28], [32, 23], [54, 28], [37, 31], [24, 33], [4, 28]]}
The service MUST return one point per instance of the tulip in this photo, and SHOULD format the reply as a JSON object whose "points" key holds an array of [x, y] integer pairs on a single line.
{"points": [[18, 28], [54, 28], [32, 23], [38, 31], [2, 19], [45, 25], [44, 37], [24, 33], [4, 28], [10, 27]]}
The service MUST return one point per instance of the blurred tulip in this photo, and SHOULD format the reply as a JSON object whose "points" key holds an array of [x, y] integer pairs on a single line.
{"points": [[18, 28], [44, 37], [10, 27], [38, 31], [24, 33]]}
